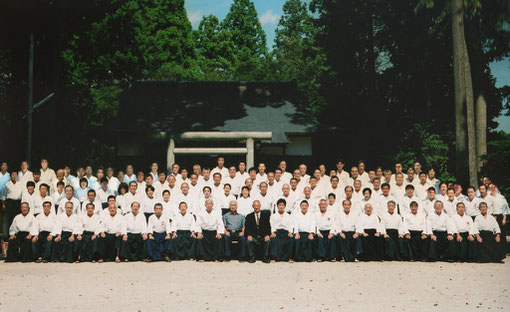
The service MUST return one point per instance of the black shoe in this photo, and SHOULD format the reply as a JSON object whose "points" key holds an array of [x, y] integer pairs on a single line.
{"points": [[266, 261], [252, 260]]}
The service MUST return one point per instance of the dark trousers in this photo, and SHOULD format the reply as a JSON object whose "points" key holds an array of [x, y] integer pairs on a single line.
{"points": [[393, 245], [209, 248], [502, 246], [64, 250], [108, 246], [19, 248], [372, 249], [134, 249], [441, 249], [418, 247], [257, 243], [281, 246], [326, 247], [42, 248], [184, 245], [12, 209], [241, 241], [159, 247], [304, 248], [466, 249], [348, 247], [487, 251], [87, 248]]}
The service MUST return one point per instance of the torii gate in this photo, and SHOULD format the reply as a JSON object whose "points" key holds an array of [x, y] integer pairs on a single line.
{"points": [[249, 136]]}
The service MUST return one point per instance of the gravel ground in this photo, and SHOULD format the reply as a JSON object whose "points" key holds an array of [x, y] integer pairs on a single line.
{"points": [[233, 286]]}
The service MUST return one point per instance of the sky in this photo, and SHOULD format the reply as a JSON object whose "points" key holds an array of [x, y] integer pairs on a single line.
{"points": [[269, 12]]}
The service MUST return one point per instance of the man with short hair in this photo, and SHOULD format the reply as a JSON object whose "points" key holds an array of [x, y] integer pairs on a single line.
{"points": [[183, 233], [441, 235], [348, 241], [47, 174], [258, 231], [64, 233], [41, 231], [20, 239], [113, 227], [220, 168], [326, 244], [463, 233], [13, 193], [416, 233], [394, 233], [209, 239], [134, 242], [234, 231], [87, 232], [281, 239], [41, 198], [370, 230], [305, 227]]}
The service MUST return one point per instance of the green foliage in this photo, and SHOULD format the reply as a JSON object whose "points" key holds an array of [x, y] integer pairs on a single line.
{"points": [[421, 144], [497, 164], [105, 102], [249, 40]]}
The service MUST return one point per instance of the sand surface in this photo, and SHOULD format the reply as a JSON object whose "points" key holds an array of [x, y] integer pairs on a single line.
{"points": [[233, 286]]}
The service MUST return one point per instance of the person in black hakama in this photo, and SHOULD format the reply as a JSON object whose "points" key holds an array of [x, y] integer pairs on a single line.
{"points": [[183, 233], [42, 237], [394, 243], [20, 239], [463, 228], [441, 234], [487, 237], [87, 235], [370, 229], [326, 242], [258, 231], [113, 227], [348, 240], [159, 244], [134, 242], [282, 239], [416, 234], [305, 227], [64, 249], [209, 239]]}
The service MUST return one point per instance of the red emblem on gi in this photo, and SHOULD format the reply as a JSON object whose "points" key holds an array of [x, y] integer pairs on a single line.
{"points": [[329, 219], [162, 223]]}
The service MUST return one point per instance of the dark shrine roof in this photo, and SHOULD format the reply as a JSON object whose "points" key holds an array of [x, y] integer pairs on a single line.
{"points": [[177, 107]]}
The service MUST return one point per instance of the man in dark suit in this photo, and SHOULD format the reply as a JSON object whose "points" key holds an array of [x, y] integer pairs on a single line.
{"points": [[257, 231]]}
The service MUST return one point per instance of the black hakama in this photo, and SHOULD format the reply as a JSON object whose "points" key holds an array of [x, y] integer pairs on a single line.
{"points": [[64, 250], [373, 246], [418, 247], [19, 248], [281, 246], [303, 248], [394, 246], [487, 251], [241, 242], [349, 248], [87, 248], [12, 209], [159, 248], [184, 245], [42, 248], [465, 250], [326, 247], [209, 248], [502, 246], [107, 246], [134, 249], [441, 249]]}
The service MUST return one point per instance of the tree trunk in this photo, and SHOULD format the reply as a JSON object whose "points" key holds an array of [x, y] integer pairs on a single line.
{"points": [[481, 129], [461, 168], [470, 115]]}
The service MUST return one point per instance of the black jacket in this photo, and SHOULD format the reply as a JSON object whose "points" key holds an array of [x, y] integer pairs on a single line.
{"points": [[264, 227]]}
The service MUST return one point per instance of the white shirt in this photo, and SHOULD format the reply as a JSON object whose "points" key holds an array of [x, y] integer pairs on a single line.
{"points": [[500, 205], [48, 176], [147, 204], [89, 224], [30, 199], [437, 222], [128, 199], [489, 200], [415, 222], [22, 223], [486, 223], [224, 201], [102, 195], [98, 207], [210, 221], [66, 223], [244, 205], [462, 224], [405, 205], [421, 190], [38, 204], [44, 223], [113, 184], [450, 207], [13, 190], [366, 222], [326, 221], [266, 202], [290, 202], [281, 222], [184, 222], [304, 222], [393, 221], [136, 224], [223, 171], [113, 225], [472, 206], [74, 200], [235, 184], [346, 222]]}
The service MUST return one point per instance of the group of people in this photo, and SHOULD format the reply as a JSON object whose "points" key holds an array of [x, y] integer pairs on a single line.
{"points": [[233, 212]]}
